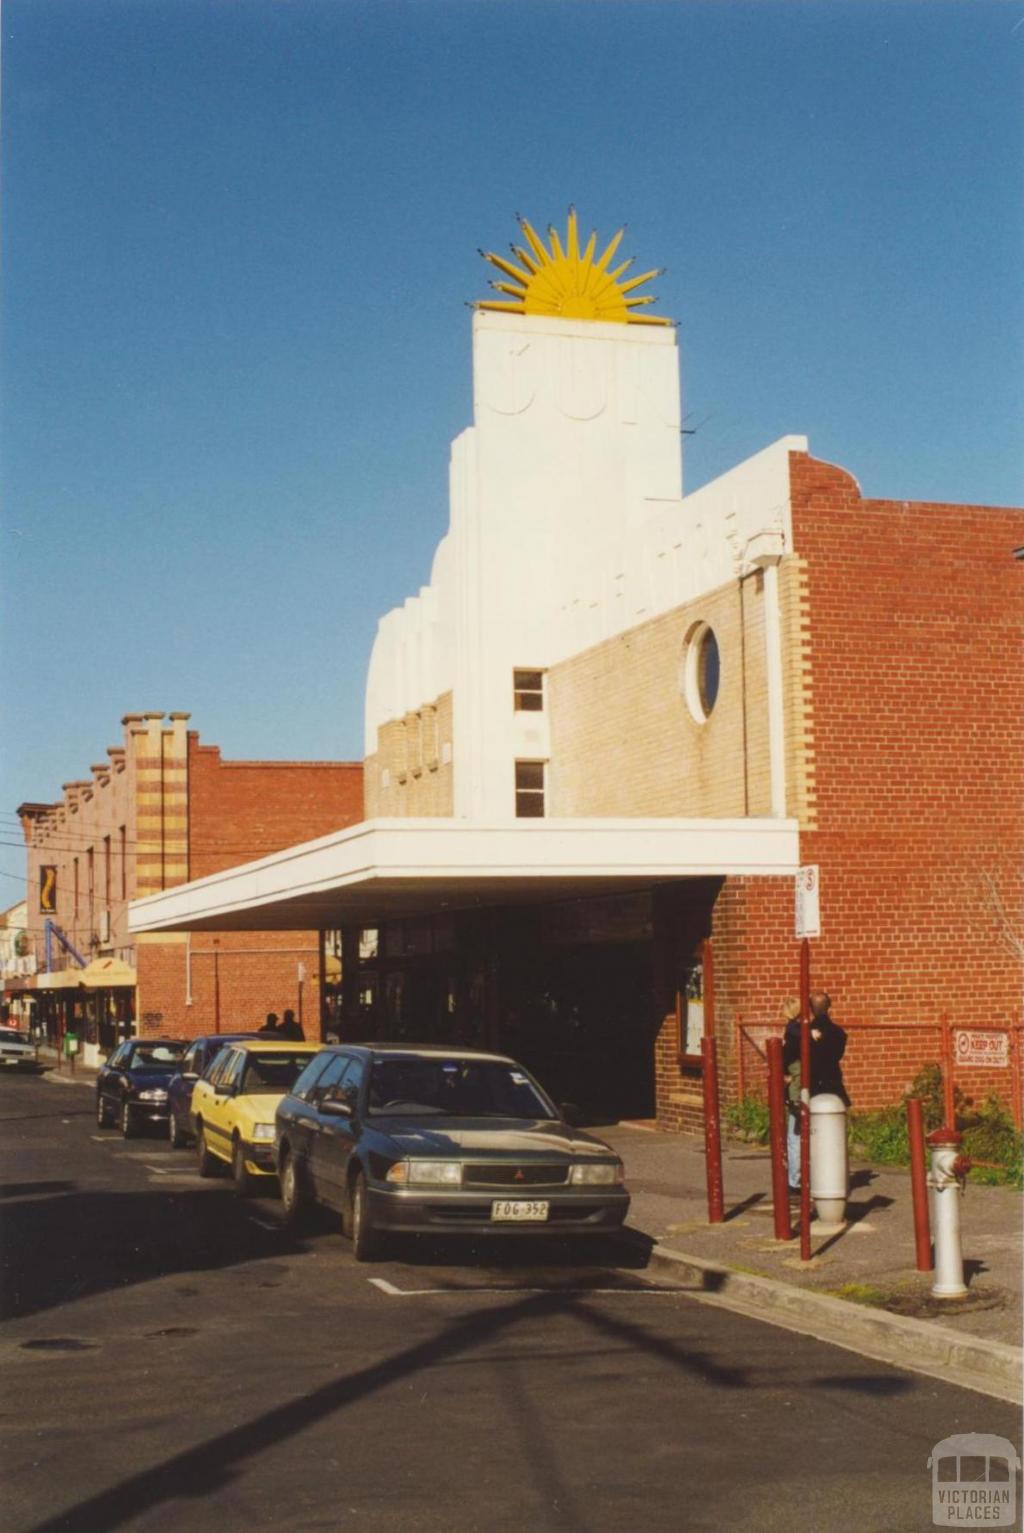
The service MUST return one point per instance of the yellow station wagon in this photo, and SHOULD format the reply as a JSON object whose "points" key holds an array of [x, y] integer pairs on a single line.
{"points": [[233, 1106]]}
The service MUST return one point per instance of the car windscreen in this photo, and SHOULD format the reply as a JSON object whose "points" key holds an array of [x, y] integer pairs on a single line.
{"points": [[156, 1056], [455, 1088], [272, 1071], [12, 1035]]}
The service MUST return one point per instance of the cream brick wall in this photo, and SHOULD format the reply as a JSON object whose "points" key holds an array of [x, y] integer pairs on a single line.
{"points": [[623, 741], [411, 752]]}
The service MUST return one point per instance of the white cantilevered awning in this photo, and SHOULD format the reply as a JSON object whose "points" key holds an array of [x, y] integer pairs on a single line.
{"points": [[383, 868]]}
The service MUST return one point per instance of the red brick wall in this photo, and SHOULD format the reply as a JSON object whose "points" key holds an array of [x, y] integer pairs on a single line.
{"points": [[236, 978], [916, 613], [239, 811]]}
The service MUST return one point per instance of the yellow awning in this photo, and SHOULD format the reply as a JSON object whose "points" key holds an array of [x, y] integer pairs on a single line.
{"points": [[60, 979], [102, 972]]}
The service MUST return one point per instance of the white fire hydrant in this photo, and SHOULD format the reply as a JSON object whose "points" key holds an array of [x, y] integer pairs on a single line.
{"points": [[945, 1189], [829, 1164]]}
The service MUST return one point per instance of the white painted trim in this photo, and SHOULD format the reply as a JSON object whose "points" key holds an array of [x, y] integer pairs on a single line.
{"points": [[776, 717]]}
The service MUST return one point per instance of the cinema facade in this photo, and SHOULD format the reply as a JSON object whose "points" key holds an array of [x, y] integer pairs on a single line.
{"points": [[617, 720]]}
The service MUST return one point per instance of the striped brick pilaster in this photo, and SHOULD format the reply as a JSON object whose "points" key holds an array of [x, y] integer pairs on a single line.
{"points": [[161, 798]]}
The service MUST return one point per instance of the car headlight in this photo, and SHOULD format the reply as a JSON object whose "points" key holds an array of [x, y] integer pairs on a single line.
{"points": [[426, 1173], [597, 1174], [153, 1096], [263, 1131]]}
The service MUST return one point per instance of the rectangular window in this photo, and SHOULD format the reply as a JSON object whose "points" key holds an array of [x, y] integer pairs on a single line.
{"points": [[529, 790], [528, 691], [122, 837], [108, 891], [76, 890]]}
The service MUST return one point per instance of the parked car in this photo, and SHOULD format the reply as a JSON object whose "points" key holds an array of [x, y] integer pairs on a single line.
{"points": [[439, 1141], [197, 1060], [234, 1103], [17, 1050], [131, 1088]]}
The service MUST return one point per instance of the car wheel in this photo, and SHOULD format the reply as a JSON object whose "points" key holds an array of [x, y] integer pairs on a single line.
{"points": [[102, 1113], [129, 1127], [174, 1134], [206, 1163], [293, 1198], [244, 1181], [365, 1239]]}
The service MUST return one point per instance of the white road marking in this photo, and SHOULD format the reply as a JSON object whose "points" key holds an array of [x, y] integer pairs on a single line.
{"points": [[418, 1293], [266, 1224]]}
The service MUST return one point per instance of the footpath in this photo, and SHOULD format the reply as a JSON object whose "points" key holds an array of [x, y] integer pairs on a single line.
{"points": [[860, 1289]]}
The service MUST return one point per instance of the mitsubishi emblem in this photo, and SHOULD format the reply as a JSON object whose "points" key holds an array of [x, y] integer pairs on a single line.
{"points": [[520, 1176]]}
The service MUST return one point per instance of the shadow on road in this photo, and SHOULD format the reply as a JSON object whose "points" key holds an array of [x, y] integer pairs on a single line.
{"points": [[58, 1247], [204, 1470]]}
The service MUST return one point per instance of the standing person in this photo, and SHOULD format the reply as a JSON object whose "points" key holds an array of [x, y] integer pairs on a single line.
{"points": [[270, 1028], [790, 1013], [289, 1028], [828, 1045]]}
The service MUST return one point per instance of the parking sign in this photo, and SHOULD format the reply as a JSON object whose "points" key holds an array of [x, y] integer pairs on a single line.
{"points": [[808, 905]]}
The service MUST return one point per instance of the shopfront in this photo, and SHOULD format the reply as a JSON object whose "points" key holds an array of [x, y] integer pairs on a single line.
{"points": [[95, 1004]]}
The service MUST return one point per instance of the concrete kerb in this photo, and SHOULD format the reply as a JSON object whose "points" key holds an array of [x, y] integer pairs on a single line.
{"points": [[990, 1367]]}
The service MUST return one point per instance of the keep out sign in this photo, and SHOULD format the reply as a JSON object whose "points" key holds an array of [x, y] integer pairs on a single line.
{"points": [[990, 1049]]}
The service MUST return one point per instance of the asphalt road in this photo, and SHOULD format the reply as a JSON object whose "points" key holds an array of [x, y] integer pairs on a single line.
{"points": [[173, 1360]]}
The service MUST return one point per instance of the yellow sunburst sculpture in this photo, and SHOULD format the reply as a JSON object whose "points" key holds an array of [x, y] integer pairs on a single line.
{"points": [[567, 283]]}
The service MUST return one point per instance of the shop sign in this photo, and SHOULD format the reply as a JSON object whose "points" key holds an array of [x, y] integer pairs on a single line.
{"points": [[48, 889], [808, 905], [991, 1050]]}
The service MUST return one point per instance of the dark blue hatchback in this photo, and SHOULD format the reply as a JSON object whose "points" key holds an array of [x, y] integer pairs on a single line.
{"points": [[197, 1060]]}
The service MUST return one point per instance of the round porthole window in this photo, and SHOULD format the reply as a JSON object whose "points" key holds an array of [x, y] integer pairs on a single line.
{"points": [[702, 670]]}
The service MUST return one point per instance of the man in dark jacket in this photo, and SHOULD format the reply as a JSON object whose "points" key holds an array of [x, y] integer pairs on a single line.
{"points": [[270, 1027], [289, 1028], [828, 1045]]}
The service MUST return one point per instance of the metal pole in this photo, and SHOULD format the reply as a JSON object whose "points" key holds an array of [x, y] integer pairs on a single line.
{"points": [[777, 1119], [948, 1090], [1015, 1084], [805, 977], [741, 1077], [216, 986], [707, 965], [805, 1139], [919, 1185], [712, 1130]]}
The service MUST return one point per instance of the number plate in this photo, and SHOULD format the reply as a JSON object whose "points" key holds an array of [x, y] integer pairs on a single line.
{"points": [[516, 1210]]}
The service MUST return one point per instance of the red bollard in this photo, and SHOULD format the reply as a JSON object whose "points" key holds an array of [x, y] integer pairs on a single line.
{"points": [[919, 1185], [805, 1138], [712, 1131], [777, 1120]]}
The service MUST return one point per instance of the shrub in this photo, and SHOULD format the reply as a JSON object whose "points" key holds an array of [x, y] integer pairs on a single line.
{"points": [[880, 1135], [748, 1120], [990, 1134]]}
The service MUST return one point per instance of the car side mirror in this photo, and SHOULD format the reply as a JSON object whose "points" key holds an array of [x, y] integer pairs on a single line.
{"points": [[190, 1075], [572, 1114], [336, 1109]]}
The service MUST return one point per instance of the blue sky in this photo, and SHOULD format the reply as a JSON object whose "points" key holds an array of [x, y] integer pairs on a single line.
{"points": [[239, 236]]}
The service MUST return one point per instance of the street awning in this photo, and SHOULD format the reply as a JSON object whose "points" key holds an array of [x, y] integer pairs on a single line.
{"points": [[103, 972], [386, 868], [60, 979]]}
